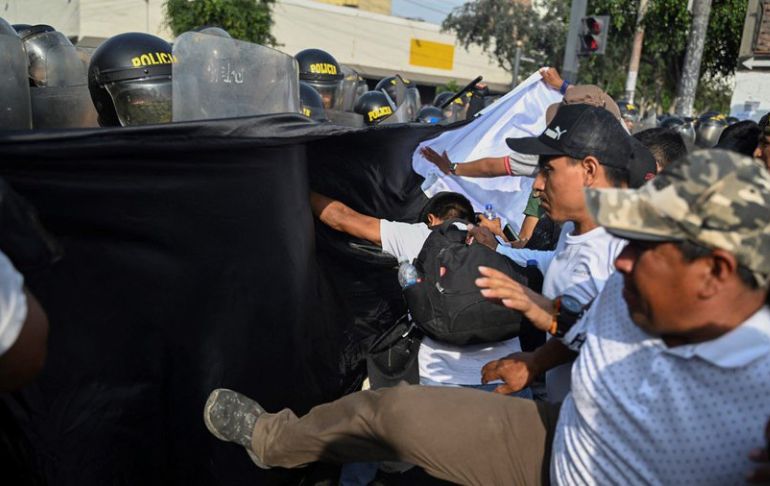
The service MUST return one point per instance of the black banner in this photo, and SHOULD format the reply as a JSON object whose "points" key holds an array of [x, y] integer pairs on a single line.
{"points": [[191, 263]]}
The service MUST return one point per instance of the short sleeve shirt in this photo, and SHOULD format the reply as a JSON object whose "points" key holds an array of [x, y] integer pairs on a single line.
{"points": [[13, 304]]}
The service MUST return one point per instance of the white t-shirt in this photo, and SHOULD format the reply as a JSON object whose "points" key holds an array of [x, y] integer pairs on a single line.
{"points": [[578, 267], [13, 304], [643, 413], [458, 365]]}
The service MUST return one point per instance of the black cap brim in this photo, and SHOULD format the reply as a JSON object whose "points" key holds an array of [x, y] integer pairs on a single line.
{"points": [[532, 146]]}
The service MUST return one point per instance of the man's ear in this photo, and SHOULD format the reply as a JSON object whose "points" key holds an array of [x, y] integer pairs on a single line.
{"points": [[723, 267], [432, 219], [590, 170]]}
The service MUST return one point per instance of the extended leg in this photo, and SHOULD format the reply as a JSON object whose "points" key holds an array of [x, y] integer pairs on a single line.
{"points": [[461, 435]]}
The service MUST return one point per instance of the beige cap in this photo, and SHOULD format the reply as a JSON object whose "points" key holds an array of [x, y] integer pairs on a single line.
{"points": [[588, 94]]}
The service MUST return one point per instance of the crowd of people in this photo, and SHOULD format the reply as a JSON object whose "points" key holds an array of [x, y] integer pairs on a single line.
{"points": [[650, 330]]}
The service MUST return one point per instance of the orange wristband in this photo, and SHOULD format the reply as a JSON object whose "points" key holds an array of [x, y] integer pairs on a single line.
{"points": [[554, 322]]}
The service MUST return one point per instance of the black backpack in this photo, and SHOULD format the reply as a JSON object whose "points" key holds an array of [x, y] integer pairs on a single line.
{"points": [[450, 308]]}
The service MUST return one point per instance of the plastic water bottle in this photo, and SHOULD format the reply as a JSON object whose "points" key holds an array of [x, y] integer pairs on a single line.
{"points": [[407, 273], [489, 212]]}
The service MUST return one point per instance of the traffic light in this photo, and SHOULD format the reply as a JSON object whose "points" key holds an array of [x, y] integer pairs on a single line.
{"points": [[593, 34]]}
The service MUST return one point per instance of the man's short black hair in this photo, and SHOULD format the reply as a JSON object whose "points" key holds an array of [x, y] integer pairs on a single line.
{"points": [[666, 144], [741, 137], [448, 205]]}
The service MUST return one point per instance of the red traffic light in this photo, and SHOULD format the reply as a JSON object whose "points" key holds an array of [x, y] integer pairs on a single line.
{"points": [[593, 25], [593, 34], [591, 44]]}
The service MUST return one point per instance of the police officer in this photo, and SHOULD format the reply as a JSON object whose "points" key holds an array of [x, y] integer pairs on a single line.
{"points": [[430, 114], [374, 106], [311, 104], [320, 70], [630, 114], [129, 78], [684, 128]]}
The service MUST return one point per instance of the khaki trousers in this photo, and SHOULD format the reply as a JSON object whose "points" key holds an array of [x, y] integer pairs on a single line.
{"points": [[456, 434]]}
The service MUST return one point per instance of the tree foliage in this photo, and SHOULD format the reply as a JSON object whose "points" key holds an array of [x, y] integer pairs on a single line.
{"points": [[497, 24], [248, 20]]}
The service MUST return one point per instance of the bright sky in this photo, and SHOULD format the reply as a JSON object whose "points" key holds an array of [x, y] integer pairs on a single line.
{"points": [[433, 11]]}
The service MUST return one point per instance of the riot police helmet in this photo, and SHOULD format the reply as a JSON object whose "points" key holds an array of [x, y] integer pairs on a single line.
{"points": [[311, 103], [684, 128], [629, 112], [320, 70], [52, 59], [430, 114], [708, 128], [374, 106], [440, 99], [390, 84], [130, 80]]}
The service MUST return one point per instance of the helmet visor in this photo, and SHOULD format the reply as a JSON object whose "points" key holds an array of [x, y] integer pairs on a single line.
{"points": [[142, 102], [330, 92]]}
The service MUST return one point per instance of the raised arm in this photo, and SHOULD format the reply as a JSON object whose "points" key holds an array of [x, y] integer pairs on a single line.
{"points": [[341, 217], [486, 167]]}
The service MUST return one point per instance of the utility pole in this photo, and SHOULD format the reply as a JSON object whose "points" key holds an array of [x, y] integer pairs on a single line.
{"points": [[636, 52], [688, 84], [569, 70], [516, 62]]}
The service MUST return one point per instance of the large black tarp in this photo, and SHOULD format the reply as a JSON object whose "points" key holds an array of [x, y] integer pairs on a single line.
{"points": [[192, 261]]}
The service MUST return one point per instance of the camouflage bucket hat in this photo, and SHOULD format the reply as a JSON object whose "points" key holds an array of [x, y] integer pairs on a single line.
{"points": [[714, 198]]}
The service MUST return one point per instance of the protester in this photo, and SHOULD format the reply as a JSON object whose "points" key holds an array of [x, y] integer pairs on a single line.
{"points": [[741, 137], [594, 151], [516, 164], [665, 144], [659, 388], [439, 363], [23, 330]]}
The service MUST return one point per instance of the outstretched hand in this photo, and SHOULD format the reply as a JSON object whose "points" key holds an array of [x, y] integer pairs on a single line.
{"points": [[439, 160], [551, 77], [497, 285], [517, 370]]}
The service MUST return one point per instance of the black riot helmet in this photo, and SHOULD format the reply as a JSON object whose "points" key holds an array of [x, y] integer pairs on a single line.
{"points": [[311, 103], [389, 85], [374, 107], [130, 80], [430, 114], [443, 97], [321, 71]]}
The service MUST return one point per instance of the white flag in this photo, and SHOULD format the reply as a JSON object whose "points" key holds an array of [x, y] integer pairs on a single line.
{"points": [[520, 113]]}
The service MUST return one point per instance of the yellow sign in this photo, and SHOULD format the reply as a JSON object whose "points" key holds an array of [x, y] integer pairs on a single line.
{"points": [[378, 113], [153, 59], [431, 54], [323, 68]]}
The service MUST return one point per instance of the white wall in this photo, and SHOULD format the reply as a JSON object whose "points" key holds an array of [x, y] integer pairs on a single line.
{"points": [[63, 15], [377, 45]]}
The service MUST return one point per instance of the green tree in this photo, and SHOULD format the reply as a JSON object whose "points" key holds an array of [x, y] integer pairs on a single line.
{"points": [[452, 86], [248, 20], [666, 28]]}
